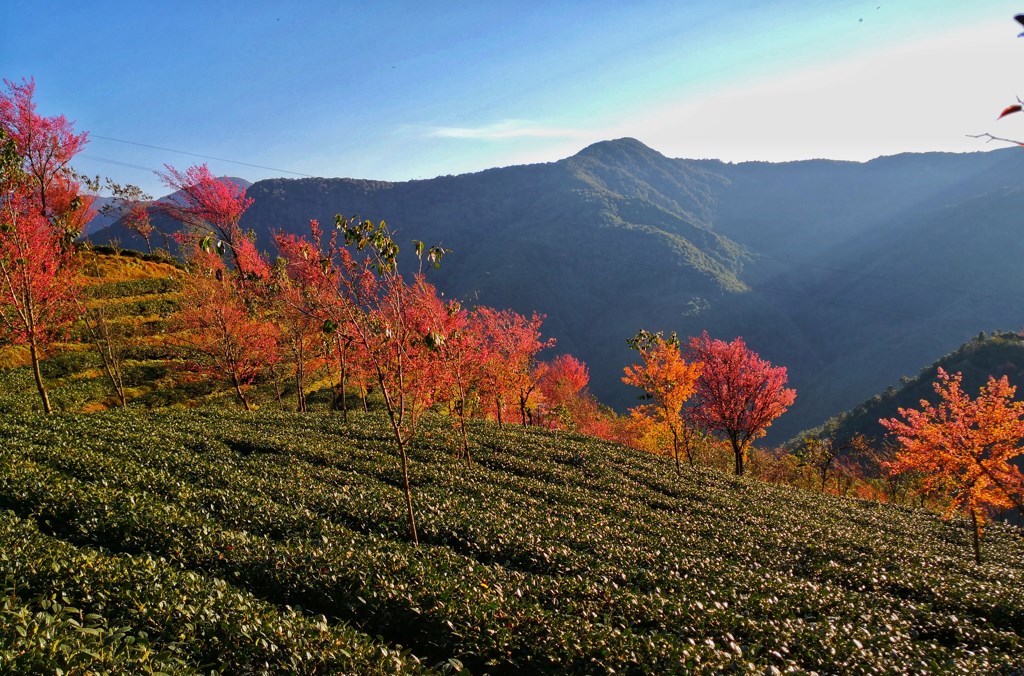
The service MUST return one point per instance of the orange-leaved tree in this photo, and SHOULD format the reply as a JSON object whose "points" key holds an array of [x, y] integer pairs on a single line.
{"points": [[963, 447], [738, 393], [41, 214], [669, 382]]}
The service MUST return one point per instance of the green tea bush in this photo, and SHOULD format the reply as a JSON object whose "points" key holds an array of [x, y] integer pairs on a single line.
{"points": [[78, 610], [552, 553]]}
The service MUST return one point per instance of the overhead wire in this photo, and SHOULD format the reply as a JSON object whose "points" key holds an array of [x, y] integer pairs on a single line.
{"points": [[205, 157], [117, 162]]}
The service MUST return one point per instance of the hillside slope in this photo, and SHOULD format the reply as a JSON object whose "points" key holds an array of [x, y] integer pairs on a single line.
{"points": [[277, 542], [137, 295], [605, 240], [850, 274], [997, 355]]}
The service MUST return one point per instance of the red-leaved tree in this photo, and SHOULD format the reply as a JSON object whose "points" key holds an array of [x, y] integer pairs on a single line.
{"points": [[312, 295], [513, 342], [460, 356], [738, 393], [301, 330], [563, 379], [132, 206], [227, 331], [221, 336], [41, 214], [562, 382], [212, 209], [355, 286]]}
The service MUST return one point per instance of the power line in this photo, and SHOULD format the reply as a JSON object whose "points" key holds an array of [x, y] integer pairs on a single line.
{"points": [[117, 162], [205, 157]]}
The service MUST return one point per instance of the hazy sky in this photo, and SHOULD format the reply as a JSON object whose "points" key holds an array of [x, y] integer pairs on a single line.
{"points": [[402, 90]]}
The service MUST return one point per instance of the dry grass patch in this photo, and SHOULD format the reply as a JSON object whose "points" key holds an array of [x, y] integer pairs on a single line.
{"points": [[13, 356]]}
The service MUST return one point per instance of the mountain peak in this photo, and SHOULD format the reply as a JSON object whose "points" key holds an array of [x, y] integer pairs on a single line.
{"points": [[633, 171], [621, 147], [240, 182]]}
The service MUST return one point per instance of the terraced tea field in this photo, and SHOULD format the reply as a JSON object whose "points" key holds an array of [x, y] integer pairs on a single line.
{"points": [[198, 540]]}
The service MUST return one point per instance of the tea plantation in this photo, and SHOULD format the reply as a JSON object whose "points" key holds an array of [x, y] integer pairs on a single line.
{"points": [[201, 541]]}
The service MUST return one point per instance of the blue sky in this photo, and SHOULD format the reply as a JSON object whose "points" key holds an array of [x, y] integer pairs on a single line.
{"points": [[404, 90]]}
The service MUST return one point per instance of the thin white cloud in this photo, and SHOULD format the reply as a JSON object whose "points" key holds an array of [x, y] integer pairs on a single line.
{"points": [[507, 129]]}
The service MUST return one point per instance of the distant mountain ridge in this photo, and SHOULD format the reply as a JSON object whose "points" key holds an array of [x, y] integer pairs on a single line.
{"points": [[106, 214], [850, 274], [996, 355]]}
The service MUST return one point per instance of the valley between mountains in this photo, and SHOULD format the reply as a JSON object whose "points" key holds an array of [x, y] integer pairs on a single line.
{"points": [[852, 275]]}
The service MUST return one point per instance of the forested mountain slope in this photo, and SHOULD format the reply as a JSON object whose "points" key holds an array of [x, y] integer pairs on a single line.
{"points": [[996, 355], [850, 274]]}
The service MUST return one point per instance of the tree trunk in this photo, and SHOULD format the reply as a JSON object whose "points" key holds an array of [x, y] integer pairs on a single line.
{"points": [[738, 450], [687, 438], [277, 386], [101, 337], [342, 361], [675, 449], [300, 394], [400, 440], [300, 380], [408, 494], [976, 531], [34, 352], [465, 437], [238, 391]]}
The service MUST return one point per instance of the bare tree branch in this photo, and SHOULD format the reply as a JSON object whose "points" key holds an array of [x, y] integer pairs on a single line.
{"points": [[992, 137]]}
